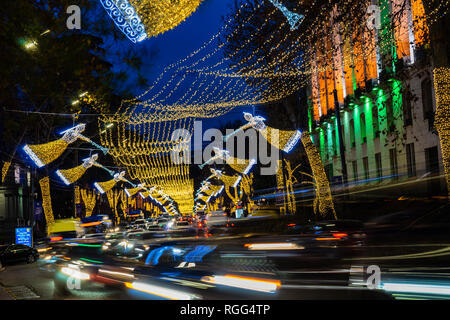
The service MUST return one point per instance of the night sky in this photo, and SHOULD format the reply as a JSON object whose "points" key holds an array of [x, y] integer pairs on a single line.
{"points": [[173, 45]]}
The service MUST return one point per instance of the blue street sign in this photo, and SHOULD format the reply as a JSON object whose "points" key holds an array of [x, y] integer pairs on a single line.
{"points": [[24, 236]]}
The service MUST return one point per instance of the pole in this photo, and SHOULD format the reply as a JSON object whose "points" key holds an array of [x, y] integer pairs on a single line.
{"points": [[340, 138]]}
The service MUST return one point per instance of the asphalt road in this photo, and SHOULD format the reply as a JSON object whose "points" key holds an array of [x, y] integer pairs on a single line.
{"points": [[27, 281]]}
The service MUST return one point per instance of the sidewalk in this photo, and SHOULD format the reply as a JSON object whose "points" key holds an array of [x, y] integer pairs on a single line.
{"points": [[4, 295]]}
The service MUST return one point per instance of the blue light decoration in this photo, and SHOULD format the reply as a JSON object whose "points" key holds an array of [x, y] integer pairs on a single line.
{"points": [[292, 141], [237, 181], [250, 165], [219, 191], [99, 188], [125, 18], [62, 177], [294, 19]]}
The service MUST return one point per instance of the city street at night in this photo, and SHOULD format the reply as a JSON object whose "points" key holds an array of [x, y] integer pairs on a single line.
{"points": [[243, 157]]}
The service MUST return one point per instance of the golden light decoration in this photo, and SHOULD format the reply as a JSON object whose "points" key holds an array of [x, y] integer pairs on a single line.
{"points": [[247, 187], [131, 192], [5, 168], [113, 199], [240, 165], [69, 176], [290, 180], [43, 154], [216, 85], [161, 16], [284, 140], [89, 199], [105, 186], [77, 196], [47, 202], [145, 150], [124, 203], [323, 192], [280, 186], [442, 115]]}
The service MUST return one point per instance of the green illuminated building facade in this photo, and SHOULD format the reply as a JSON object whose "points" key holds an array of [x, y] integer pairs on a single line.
{"points": [[386, 101]]}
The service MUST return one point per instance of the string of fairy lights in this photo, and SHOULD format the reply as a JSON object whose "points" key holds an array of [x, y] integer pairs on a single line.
{"points": [[216, 78], [206, 80], [44, 154]]}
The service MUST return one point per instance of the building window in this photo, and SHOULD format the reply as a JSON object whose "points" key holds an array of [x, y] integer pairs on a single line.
{"points": [[355, 170], [407, 111], [376, 127], [335, 145], [379, 165], [393, 159], [329, 171], [362, 119], [432, 160], [389, 114], [427, 99], [343, 136], [411, 160], [366, 167], [352, 133]]}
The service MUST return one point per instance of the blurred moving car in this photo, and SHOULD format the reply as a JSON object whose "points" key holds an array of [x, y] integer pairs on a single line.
{"points": [[99, 223], [216, 218], [16, 253], [140, 224], [66, 229]]}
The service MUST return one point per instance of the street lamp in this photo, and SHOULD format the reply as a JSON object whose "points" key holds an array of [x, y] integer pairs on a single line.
{"points": [[30, 45]]}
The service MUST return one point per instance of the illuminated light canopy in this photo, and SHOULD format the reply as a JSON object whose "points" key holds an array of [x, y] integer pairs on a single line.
{"points": [[125, 18]]}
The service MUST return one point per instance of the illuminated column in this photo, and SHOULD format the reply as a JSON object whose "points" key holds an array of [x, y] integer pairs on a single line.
{"points": [[47, 203], [280, 186], [5, 169], [89, 200], [323, 196], [442, 115]]}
